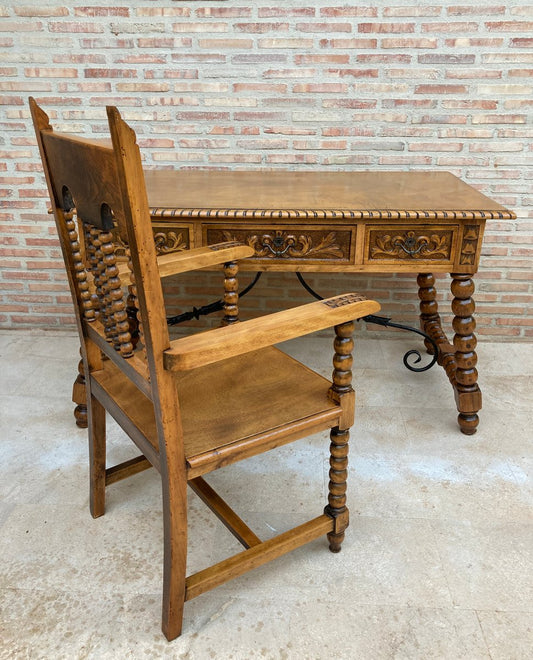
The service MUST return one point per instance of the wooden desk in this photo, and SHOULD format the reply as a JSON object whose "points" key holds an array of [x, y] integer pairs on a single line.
{"points": [[418, 222], [349, 222]]}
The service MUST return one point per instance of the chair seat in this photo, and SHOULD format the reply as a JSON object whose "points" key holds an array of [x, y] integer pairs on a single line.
{"points": [[218, 428]]}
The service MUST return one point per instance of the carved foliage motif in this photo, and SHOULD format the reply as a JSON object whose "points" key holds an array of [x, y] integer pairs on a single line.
{"points": [[282, 244], [411, 245], [169, 240], [469, 246]]}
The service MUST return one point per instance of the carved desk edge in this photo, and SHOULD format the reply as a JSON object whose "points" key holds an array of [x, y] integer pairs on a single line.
{"points": [[330, 214]]}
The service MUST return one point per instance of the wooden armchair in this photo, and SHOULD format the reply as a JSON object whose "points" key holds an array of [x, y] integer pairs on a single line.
{"points": [[200, 402]]}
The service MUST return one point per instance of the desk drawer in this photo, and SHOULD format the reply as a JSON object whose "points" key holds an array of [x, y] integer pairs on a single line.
{"points": [[309, 244], [395, 243]]}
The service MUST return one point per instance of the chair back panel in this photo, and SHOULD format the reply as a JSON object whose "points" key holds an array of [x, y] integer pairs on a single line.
{"points": [[91, 189], [91, 185]]}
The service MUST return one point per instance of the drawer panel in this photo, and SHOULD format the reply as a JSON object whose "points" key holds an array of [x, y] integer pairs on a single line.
{"points": [[309, 244], [394, 244], [170, 237]]}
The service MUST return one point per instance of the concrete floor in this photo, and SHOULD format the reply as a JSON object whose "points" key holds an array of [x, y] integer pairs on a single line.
{"points": [[436, 563]]}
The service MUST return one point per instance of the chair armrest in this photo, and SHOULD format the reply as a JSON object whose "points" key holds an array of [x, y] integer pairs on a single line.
{"points": [[212, 255], [203, 257], [225, 342]]}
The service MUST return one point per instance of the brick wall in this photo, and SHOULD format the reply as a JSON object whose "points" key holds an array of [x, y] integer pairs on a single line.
{"points": [[320, 84]]}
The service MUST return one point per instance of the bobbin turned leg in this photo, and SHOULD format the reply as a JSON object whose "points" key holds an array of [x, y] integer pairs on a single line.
{"points": [[342, 392], [79, 397], [467, 392], [231, 293], [429, 310]]}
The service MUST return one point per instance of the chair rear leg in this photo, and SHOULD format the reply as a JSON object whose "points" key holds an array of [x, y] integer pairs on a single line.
{"points": [[97, 457]]}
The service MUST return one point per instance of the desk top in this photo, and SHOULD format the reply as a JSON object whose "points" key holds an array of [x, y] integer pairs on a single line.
{"points": [[312, 194]]}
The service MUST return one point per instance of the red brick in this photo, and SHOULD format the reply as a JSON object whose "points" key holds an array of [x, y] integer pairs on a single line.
{"points": [[301, 159], [436, 146], [408, 43], [351, 44], [188, 27], [348, 103], [450, 26], [110, 73], [386, 28], [354, 73], [324, 27], [269, 12], [384, 58], [261, 28], [279, 88], [224, 44], [29, 11], [20, 26], [11, 100], [349, 11], [412, 11], [481, 9], [475, 42], [520, 73], [320, 88], [163, 11], [522, 42], [510, 26], [470, 104], [75, 28], [99, 43], [441, 89], [469, 74], [321, 59], [223, 12], [101, 11]]}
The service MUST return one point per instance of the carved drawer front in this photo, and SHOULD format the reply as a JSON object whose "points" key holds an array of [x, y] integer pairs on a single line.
{"points": [[169, 237], [400, 243], [307, 243]]}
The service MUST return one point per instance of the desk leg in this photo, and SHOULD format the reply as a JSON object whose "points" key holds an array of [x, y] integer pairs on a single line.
{"points": [[467, 392], [457, 359], [430, 323], [79, 397]]}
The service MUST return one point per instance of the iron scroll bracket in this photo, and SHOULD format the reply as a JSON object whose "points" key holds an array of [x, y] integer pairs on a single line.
{"points": [[217, 306], [388, 323]]}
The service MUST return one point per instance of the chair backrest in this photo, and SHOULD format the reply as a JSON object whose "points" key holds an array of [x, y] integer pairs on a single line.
{"points": [[101, 211]]}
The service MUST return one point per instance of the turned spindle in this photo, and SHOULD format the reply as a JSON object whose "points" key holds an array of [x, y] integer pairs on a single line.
{"points": [[231, 293], [429, 311], [338, 472], [119, 325]]}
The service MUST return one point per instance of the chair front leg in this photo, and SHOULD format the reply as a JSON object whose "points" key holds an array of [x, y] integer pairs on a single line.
{"points": [[174, 483], [342, 392], [175, 561]]}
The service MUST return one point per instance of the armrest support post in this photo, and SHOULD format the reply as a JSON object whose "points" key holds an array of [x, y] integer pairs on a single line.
{"points": [[231, 293], [341, 390]]}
